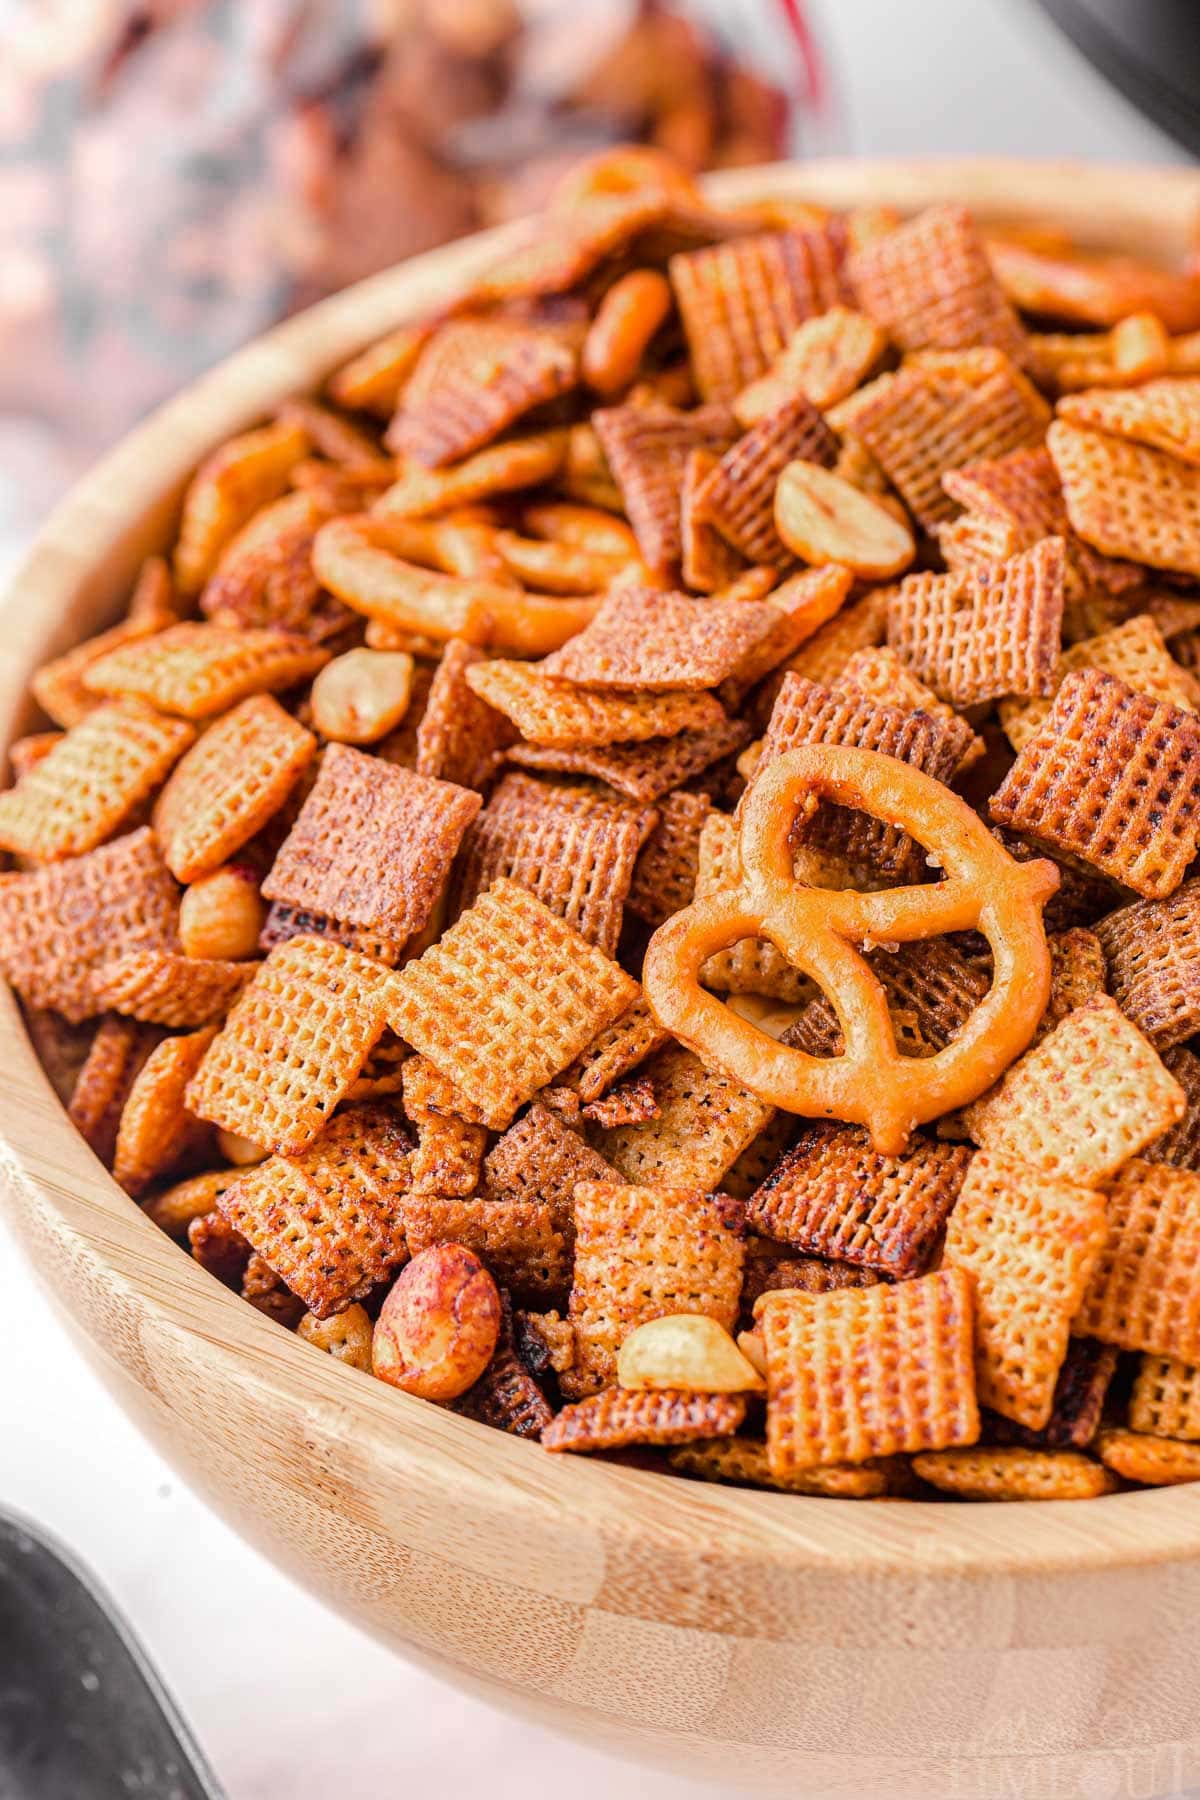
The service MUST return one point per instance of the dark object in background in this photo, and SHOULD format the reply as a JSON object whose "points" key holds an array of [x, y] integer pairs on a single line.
{"points": [[82, 1714], [1148, 49]]}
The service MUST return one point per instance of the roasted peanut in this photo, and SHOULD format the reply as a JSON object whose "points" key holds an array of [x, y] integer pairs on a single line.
{"points": [[823, 519], [628, 317], [439, 1324], [685, 1351], [221, 915], [361, 696], [242, 1152], [347, 1336]]}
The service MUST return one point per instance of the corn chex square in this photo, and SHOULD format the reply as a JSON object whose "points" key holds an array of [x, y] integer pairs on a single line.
{"points": [[1134, 651], [459, 737], [648, 448], [621, 1416], [1128, 500], [739, 496], [156, 1132], [473, 379], [1143, 1293], [657, 642], [704, 1123], [546, 710], [197, 670], [642, 772], [521, 1242], [1180, 1146], [1166, 1398]]}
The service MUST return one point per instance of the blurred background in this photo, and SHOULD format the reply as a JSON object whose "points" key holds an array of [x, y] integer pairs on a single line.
{"points": [[175, 175]]}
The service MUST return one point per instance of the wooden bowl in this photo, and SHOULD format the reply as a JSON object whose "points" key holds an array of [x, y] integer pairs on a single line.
{"points": [[759, 1639]]}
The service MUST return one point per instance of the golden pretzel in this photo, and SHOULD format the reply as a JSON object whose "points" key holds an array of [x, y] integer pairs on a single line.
{"points": [[819, 931]]}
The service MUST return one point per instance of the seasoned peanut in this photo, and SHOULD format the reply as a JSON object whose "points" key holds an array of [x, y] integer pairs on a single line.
{"points": [[361, 696], [823, 519], [685, 1351], [628, 317], [439, 1324], [242, 1152], [346, 1336], [221, 915]]}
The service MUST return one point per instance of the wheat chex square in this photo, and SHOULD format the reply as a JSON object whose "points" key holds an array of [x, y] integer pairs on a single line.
{"points": [[1143, 1293], [1152, 949], [704, 1123]]}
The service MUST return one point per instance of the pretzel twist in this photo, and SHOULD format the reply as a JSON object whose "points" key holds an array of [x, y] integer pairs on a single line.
{"points": [[821, 933]]}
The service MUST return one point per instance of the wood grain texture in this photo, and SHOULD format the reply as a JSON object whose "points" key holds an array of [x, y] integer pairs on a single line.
{"points": [[759, 1639]]}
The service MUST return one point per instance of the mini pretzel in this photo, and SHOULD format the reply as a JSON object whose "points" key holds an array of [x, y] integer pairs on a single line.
{"points": [[819, 931]]}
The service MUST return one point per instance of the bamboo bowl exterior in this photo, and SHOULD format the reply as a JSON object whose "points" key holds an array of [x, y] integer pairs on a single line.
{"points": [[757, 1639]]}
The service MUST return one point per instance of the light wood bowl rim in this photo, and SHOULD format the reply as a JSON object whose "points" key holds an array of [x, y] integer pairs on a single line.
{"points": [[75, 569]]}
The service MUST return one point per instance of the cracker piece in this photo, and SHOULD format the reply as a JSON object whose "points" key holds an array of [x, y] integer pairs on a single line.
{"points": [[558, 713], [1152, 949], [1143, 1294], [283, 923], [164, 987], [58, 685], [474, 378], [865, 1372], [1128, 500], [740, 302], [505, 999], [460, 737], [770, 1272], [506, 1396], [227, 489], [1181, 1145], [1164, 414], [707, 562], [620, 1416], [521, 1241], [373, 844], [61, 923], [753, 966], [643, 1252], [118, 1052], [997, 631], [739, 496], [1014, 1474], [643, 772], [743, 1461], [1089, 1096], [664, 876], [832, 1196], [647, 448], [198, 670], [229, 784], [1112, 777], [329, 1220], [1153, 1461], [1134, 651], [704, 1123], [292, 1047], [1029, 1244], [882, 675], [1077, 1406], [1166, 1398], [541, 1159], [93, 779], [157, 1133], [929, 283], [652, 642], [620, 1047]]}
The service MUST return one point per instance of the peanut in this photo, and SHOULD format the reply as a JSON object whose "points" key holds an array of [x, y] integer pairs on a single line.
{"points": [[347, 1336], [824, 519], [361, 696], [221, 915], [686, 1351], [438, 1328], [242, 1152]]}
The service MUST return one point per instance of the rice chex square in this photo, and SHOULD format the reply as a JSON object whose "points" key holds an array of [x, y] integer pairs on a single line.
{"points": [[1143, 1293]]}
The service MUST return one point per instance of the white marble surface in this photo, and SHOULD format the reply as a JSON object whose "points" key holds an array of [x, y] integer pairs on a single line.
{"points": [[290, 1702]]}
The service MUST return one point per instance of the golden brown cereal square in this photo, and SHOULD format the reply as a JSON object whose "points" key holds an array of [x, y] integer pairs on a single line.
{"points": [[929, 284], [265, 577], [1078, 1403], [58, 685], [881, 674], [521, 1242], [505, 999], [1152, 949], [1166, 1398], [706, 561], [632, 1103], [473, 379], [164, 987], [642, 772], [620, 1047], [547, 710], [859, 625], [620, 1416], [293, 1046], [753, 966], [1077, 972], [743, 1460], [1134, 651], [1029, 1243], [329, 1219], [664, 876], [1128, 500], [240, 476], [61, 923], [286, 922], [1151, 1461], [1014, 1473], [1180, 1146], [198, 670], [658, 642], [833, 1196], [459, 737], [541, 1159], [1089, 1096], [156, 1132], [449, 1153], [704, 1123], [229, 784], [863, 1372], [641, 1253], [739, 496], [117, 1053], [806, 602], [1164, 414], [647, 448], [91, 781], [373, 844], [1143, 1294]]}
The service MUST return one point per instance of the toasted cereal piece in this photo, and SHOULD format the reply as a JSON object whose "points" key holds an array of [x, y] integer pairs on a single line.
{"points": [[833, 1196], [1152, 1461], [704, 1123], [922, 422], [824, 359], [881, 674], [265, 576], [1153, 953], [643, 772], [580, 864], [929, 284], [557, 713], [545, 1341], [1166, 1398], [743, 1460], [328, 1219], [1014, 1473], [292, 1047], [459, 738], [707, 561], [221, 1251], [229, 784], [1143, 1293], [1128, 500], [528, 796], [642, 1253], [633, 1036], [540, 1159], [117, 1054], [505, 999], [372, 381], [506, 1396], [760, 1156], [227, 489], [659, 642], [860, 625], [997, 631], [1029, 1244], [449, 1152], [753, 966], [1112, 777], [1164, 414], [283, 923], [865, 1372], [164, 987], [740, 302], [58, 685], [174, 1209], [197, 670], [632, 1103], [59, 924], [373, 844], [805, 602], [61, 1048], [619, 1416], [156, 1132], [664, 876], [91, 781], [1089, 1096], [25, 753], [647, 448], [520, 1241], [1181, 1145], [1134, 651], [1077, 972], [739, 496], [1077, 1406], [473, 379]]}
